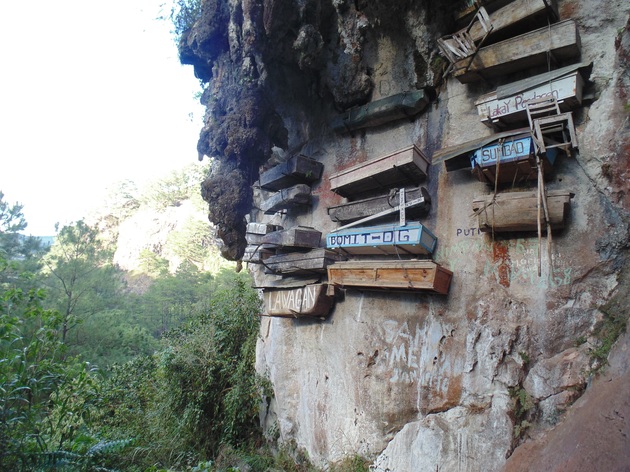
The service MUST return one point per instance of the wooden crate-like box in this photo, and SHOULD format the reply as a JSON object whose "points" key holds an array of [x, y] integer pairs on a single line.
{"points": [[300, 236], [297, 169], [518, 211], [413, 238], [309, 300], [315, 261], [403, 167], [352, 211], [298, 195], [516, 159], [391, 275], [521, 52]]}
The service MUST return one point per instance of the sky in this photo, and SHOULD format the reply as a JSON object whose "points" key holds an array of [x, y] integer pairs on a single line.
{"points": [[91, 93]]}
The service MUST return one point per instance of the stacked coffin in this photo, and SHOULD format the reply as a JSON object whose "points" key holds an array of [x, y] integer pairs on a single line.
{"points": [[291, 182], [517, 37], [379, 189]]}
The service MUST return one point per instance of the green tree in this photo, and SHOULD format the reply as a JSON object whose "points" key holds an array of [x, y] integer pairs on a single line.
{"points": [[80, 275], [22, 251]]}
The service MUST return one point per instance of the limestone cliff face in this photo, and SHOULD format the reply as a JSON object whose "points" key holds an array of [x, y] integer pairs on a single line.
{"points": [[415, 381]]}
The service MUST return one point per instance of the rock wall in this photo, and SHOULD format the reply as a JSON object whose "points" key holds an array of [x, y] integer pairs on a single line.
{"points": [[420, 381]]}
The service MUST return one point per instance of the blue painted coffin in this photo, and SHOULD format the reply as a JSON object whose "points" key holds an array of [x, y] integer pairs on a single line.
{"points": [[517, 160], [509, 151], [413, 238]]}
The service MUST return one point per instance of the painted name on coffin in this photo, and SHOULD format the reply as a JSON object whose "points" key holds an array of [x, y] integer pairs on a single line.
{"points": [[396, 236], [298, 300], [517, 102], [508, 151]]}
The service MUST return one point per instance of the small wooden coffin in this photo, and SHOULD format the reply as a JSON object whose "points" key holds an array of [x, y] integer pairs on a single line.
{"points": [[516, 159], [298, 169], [310, 300], [385, 110], [256, 254], [413, 238], [512, 19], [508, 104], [521, 52], [518, 211], [353, 211], [256, 231], [300, 236], [391, 275], [297, 195], [406, 166], [305, 263]]}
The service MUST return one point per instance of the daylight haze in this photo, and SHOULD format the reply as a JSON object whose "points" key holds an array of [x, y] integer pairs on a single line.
{"points": [[91, 93]]}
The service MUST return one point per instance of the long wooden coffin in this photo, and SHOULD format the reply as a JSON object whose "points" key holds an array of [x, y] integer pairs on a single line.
{"points": [[413, 238], [353, 211], [391, 275], [510, 161], [256, 254], [300, 236], [385, 110], [256, 231], [561, 40], [315, 261], [306, 301], [514, 17], [400, 168], [518, 211], [508, 104], [298, 169], [297, 195]]}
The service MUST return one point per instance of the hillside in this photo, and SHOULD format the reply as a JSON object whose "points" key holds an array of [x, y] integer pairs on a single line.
{"points": [[497, 368]]}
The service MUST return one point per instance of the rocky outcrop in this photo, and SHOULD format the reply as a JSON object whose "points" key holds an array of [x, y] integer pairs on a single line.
{"points": [[414, 381]]}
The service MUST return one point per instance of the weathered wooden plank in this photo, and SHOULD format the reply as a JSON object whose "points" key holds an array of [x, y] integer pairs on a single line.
{"points": [[385, 110], [561, 40], [508, 104], [406, 166], [413, 238], [306, 301], [518, 211], [391, 275], [299, 194], [298, 169], [300, 236], [359, 209], [314, 261]]}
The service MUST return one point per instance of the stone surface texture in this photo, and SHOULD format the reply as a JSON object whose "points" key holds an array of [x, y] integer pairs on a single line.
{"points": [[498, 374]]}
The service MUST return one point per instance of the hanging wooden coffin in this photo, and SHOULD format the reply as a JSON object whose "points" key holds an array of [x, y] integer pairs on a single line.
{"points": [[300, 236], [309, 300], [508, 104], [413, 238], [391, 275], [528, 50], [359, 209], [297, 169], [310, 262], [256, 231], [385, 110], [257, 254], [518, 211], [516, 159], [407, 166], [297, 195]]}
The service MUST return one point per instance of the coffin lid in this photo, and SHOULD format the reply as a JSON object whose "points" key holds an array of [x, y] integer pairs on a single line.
{"points": [[457, 157], [515, 88]]}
